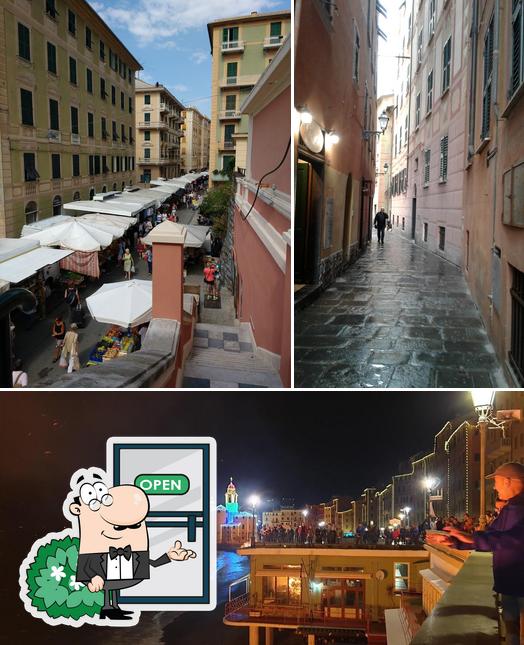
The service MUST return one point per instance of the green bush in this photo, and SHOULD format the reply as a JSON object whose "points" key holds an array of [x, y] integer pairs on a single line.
{"points": [[217, 201], [52, 585]]}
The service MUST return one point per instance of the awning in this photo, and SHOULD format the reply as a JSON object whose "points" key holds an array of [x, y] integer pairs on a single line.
{"points": [[42, 224], [10, 247], [23, 266]]}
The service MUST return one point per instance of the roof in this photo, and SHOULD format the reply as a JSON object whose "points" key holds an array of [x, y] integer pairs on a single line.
{"points": [[96, 17], [142, 86], [192, 108], [254, 16]]}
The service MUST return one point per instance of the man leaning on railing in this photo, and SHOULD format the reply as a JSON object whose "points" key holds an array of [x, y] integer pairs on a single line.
{"points": [[504, 537]]}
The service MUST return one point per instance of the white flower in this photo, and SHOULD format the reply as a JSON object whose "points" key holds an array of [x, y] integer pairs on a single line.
{"points": [[57, 573], [74, 584]]}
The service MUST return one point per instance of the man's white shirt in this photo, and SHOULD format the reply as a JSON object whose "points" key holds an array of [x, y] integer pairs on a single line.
{"points": [[119, 568]]}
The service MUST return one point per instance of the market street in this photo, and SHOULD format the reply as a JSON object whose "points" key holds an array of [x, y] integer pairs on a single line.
{"points": [[399, 317]]}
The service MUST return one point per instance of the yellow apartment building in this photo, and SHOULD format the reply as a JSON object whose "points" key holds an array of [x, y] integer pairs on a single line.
{"points": [[67, 123], [242, 48], [195, 144], [159, 132]]}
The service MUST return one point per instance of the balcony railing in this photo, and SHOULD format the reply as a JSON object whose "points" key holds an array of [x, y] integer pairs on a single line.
{"points": [[156, 161], [232, 46], [227, 145], [164, 107], [239, 81], [75, 138], [273, 41], [152, 124], [230, 114]]}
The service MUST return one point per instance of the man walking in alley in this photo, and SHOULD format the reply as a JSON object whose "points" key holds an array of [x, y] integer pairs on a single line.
{"points": [[381, 219]]}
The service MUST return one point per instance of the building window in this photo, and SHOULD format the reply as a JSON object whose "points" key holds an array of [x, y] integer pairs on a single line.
{"points": [[417, 110], [282, 590], [103, 92], [103, 127], [72, 70], [427, 161], [231, 102], [229, 37], [102, 51], [97, 164], [400, 139], [395, 148], [74, 120], [105, 169], [406, 132], [419, 47], [446, 65], [57, 205], [31, 213], [231, 73], [89, 38], [432, 7], [90, 124], [54, 122], [488, 74], [147, 153], [24, 42], [123, 132], [229, 131], [130, 100], [429, 100], [122, 101], [444, 159], [55, 166], [275, 32], [513, 209], [147, 99], [147, 135], [425, 231], [401, 570], [76, 196], [30, 172], [517, 47], [26, 100], [113, 95], [91, 193], [356, 54], [50, 9], [91, 166], [51, 58], [89, 80], [76, 165], [114, 132], [442, 238], [71, 22], [147, 117]]}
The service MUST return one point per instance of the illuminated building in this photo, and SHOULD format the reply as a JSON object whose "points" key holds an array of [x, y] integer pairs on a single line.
{"points": [[233, 525]]}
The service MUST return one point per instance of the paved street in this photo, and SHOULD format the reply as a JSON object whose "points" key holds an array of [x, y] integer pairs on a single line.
{"points": [[399, 317]]}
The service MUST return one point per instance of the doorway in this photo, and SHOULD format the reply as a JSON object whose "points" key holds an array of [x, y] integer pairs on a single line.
{"points": [[308, 209], [413, 217], [343, 599]]}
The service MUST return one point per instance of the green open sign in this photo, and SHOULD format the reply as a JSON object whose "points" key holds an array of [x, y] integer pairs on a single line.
{"points": [[163, 484]]}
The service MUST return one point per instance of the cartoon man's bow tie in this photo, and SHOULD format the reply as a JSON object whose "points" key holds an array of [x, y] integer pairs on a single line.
{"points": [[126, 552]]}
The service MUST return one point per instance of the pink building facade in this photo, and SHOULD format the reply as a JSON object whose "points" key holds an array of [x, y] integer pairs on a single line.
{"points": [[262, 224]]}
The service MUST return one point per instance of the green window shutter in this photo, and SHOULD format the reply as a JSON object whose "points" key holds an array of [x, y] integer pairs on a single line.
{"points": [[51, 58], [516, 47], [24, 47], [225, 35], [54, 121], [74, 120], [26, 98], [232, 69], [72, 70], [234, 34], [276, 29], [231, 102], [55, 165]]}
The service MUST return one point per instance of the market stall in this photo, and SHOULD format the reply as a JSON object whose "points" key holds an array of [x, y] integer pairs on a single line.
{"points": [[114, 344]]}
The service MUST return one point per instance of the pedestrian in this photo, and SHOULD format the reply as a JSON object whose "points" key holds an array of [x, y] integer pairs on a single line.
{"points": [[121, 249], [129, 265], [69, 356], [381, 219], [209, 279], [19, 377], [148, 256], [58, 333], [504, 537], [71, 296]]}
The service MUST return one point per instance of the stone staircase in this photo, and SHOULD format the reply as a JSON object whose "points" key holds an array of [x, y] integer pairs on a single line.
{"points": [[223, 356]]}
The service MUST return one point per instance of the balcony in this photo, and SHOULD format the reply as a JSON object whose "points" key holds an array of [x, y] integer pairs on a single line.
{"points": [[227, 145], [75, 138], [240, 81], [232, 46], [155, 161], [164, 107], [272, 42], [229, 114], [153, 124]]}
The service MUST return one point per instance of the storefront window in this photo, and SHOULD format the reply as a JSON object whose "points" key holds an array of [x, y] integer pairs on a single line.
{"points": [[282, 590], [401, 576]]}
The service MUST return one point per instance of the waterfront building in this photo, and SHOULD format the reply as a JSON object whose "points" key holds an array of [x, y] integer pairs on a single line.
{"points": [[242, 47], [195, 143], [233, 525], [67, 109], [159, 131]]}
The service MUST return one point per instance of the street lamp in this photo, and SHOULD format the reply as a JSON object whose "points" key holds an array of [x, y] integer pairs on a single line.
{"points": [[305, 513], [305, 115], [332, 138], [254, 501], [383, 121], [429, 484], [483, 399], [406, 510]]}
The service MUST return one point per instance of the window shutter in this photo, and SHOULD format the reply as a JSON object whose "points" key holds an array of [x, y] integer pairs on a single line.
{"points": [[444, 158], [516, 50]]}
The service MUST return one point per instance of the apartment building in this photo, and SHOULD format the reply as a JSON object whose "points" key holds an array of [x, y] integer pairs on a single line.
{"points": [[335, 144], [159, 132], [195, 143], [287, 517], [67, 123], [242, 47], [382, 198], [494, 177]]}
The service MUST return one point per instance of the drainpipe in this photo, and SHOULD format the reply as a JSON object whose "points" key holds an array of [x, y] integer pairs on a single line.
{"points": [[410, 89], [496, 111], [473, 79]]}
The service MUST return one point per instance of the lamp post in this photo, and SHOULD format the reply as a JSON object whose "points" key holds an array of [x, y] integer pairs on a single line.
{"points": [[483, 404], [429, 484], [254, 501], [383, 121]]}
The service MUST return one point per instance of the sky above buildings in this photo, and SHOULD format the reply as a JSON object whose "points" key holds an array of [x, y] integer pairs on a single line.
{"points": [[169, 38], [388, 50], [305, 445]]}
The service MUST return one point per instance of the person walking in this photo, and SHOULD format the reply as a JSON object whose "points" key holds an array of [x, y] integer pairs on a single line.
{"points": [[504, 537], [58, 333], [129, 265], [148, 256], [19, 377], [381, 219], [71, 296], [209, 279], [69, 356]]}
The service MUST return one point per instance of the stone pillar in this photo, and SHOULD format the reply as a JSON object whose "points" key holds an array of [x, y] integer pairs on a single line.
{"points": [[253, 635], [168, 270], [311, 639], [269, 636]]}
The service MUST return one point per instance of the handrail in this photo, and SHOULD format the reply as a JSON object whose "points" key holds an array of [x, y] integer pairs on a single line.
{"points": [[8, 301]]}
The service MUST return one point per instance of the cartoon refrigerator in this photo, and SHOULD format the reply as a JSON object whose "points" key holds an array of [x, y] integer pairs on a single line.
{"points": [[179, 477]]}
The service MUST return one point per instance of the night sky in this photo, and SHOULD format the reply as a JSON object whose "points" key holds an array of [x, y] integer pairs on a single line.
{"points": [[305, 445]]}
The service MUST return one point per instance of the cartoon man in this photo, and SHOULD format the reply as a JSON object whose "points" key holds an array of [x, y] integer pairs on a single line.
{"points": [[114, 545]]}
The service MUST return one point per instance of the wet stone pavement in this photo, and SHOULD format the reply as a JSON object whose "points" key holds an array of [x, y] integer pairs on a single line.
{"points": [[399, 317]]}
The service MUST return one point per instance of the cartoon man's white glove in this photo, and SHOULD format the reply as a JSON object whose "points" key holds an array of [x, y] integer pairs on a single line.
{"points": [[178, 553]]}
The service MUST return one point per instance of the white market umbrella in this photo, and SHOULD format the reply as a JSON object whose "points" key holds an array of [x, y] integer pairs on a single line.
{"points": [[122, 303], [108, 221], [195, 236], [75, 235]]}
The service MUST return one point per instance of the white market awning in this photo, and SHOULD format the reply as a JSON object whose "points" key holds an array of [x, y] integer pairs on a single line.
{"points": [[23, 266], [10, 247], [110, 207], [43, 224]]}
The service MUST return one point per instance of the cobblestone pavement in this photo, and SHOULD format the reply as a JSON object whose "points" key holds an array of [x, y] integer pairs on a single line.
{"points": [[399, 317]]}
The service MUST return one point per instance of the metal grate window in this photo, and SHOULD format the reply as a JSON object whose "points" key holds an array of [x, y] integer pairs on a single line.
{"points": [[517, 47], [516, 353], [488, 74], [444, 158], [446, 65], [427, 162]]}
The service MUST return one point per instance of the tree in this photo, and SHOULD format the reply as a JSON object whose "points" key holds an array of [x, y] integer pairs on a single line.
{"points": [[217, 201]]}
